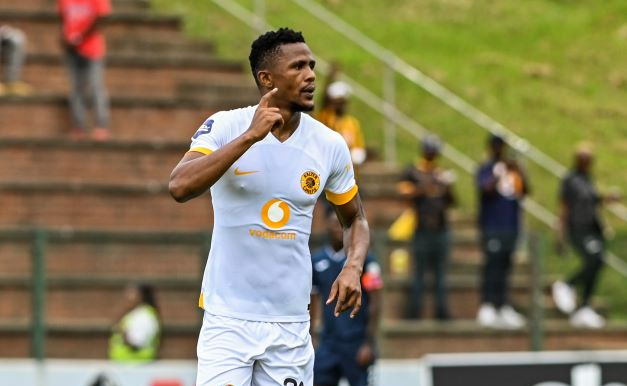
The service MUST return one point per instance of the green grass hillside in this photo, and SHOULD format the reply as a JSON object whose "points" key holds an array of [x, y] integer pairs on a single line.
{"points": [[553, 71]]}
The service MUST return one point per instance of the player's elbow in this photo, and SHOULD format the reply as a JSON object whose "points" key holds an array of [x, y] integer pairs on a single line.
{"points": [[178, 190]]}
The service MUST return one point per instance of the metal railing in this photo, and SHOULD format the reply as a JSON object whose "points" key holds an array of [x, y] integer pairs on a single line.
{"points": [[38, 282], [391, 112]]}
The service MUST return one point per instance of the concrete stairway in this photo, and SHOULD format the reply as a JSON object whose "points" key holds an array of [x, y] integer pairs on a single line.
{"points": [[111, 221]]}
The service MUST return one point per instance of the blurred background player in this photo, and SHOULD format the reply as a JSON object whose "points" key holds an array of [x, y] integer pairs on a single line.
{"points": [[581, 224], [85, 49], [136, 337], [12, 55], [429, 189], [347, 347], [502, 185], [334, 114]]}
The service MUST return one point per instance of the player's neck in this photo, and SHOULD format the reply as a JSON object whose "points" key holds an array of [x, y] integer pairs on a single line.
{"points": [[291, 121]]}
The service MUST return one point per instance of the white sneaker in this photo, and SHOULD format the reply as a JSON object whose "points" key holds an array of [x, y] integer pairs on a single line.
{"points": [[487, 316], [586, 317], [564, 297], [509, 319]]}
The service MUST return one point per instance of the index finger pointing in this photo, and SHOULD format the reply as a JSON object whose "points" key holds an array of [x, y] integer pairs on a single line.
{"points": [[267, 97]]}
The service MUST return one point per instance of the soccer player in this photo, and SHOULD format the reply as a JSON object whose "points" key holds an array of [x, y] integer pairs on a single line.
{"points": [[266, 166], [346, 346]]}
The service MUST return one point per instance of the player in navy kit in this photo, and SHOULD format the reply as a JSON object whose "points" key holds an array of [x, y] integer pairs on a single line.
{"points": [[347, 347]]}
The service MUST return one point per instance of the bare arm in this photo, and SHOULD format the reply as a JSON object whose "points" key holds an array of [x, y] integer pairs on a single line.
{"points": [[347, 287], [196, 172]]}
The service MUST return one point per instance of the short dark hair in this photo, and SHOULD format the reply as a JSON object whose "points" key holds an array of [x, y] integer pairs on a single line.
{"points": [[496, 139], [266, 47]]}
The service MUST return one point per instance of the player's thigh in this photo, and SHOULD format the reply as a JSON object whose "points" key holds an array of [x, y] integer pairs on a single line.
{"points": [[224, 355], [289, 360], [327, 366]]}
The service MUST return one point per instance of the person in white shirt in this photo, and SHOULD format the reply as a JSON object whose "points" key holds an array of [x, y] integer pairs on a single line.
{"points": [[266, 166], [136, 336]]}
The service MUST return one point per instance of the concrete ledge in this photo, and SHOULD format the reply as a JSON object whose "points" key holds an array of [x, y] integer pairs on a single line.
{"points": [[87, 146], [81, 187], [116, 283], [89, 328], [115, 101], [148, 61], [471, 328], [126, 17], [60, 235]]}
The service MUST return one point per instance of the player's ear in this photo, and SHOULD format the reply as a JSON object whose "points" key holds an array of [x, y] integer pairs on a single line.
{"points": [[265, 79]]}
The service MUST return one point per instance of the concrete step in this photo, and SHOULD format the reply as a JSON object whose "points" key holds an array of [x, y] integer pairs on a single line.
{"points": [[42, 27], [463, 296], [403, 339], [90, 341], [82, 206], [43, 5], [151, 47], [94, 299], [96, 253], [137, 75], [147, 119], [114, 162]]}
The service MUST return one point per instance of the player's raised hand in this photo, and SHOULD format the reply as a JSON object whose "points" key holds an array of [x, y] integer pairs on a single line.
{"points": [[266, 117], [347, 290]]}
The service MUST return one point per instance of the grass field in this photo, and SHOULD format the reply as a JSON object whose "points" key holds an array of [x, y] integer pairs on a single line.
{"points": [[553, 71]]}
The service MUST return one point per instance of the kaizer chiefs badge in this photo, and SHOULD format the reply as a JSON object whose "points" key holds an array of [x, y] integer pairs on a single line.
{"points": [[310, 182]]}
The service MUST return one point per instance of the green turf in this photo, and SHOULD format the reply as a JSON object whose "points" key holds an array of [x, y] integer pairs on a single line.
{"points": [[553, 71]]}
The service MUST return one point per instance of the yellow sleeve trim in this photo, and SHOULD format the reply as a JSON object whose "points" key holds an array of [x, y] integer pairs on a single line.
{"points": [[342, 198], [202, 150], [201, 301]]}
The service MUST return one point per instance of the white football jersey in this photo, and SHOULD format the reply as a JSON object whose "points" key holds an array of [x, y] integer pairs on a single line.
{"points": [[259, 266]]}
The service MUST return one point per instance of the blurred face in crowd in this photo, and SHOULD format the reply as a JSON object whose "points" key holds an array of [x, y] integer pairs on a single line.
{"points": [[338, 105], [583, 161], [497, 149], [430, 155], [132, 295]]}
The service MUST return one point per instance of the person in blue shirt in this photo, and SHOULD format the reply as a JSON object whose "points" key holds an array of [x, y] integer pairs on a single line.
{"points": [[502, 185], [347, 346]]}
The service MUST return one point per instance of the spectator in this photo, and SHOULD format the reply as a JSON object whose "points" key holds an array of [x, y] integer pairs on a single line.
{"points": [[136, 336], [347, 346], [85, 50], [12, 55], [502, 185], [581, 223], [429, 189], [334, 115]]}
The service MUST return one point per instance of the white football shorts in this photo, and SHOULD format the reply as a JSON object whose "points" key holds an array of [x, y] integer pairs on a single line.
{"points": [[249, 353]]}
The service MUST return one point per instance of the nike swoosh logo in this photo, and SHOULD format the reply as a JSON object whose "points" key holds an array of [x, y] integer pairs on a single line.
{"points": [[242, 173]]}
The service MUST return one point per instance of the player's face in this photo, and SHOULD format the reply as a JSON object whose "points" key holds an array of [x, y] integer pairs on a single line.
{"points": [[293, 74]]}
